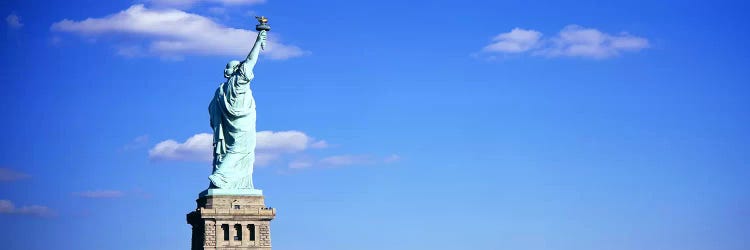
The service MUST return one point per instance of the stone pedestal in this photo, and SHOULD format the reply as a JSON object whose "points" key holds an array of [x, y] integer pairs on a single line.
{"points": [[231, 222]]}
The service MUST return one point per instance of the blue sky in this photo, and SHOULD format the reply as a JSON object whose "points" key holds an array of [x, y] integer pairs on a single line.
{"points": [[527, 125]]}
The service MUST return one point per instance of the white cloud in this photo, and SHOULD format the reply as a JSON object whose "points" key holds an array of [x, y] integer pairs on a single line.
{"points": [[571, 41], [196, 148], [100, 194], [516, 41], [13, 21], [190, 3], [172, 33], [283, 141], [7, 207], [576, 41], [270, 146], [7, 174]]}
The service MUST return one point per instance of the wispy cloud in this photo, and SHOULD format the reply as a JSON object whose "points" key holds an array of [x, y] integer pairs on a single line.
{"points": [[7, 175], [319, 144], [172, 33], [100, 194], [13, 21], [301, 163], [342, 160], [392, 158], [190, 3], [138, 142], [7, 207], [571, 41], [270, 146]]}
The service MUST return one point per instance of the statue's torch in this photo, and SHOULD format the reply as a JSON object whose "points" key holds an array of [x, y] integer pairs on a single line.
{"points": [[262, 26]]}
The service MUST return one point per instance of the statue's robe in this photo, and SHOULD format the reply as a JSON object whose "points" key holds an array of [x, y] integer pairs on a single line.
{"points": [[232, 112]]}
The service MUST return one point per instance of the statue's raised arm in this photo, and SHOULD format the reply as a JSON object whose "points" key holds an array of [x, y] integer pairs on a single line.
{"points": [[252, 57], [260, 42]]}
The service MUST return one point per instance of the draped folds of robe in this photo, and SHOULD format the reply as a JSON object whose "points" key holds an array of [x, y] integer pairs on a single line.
{"points": [[232, 112]]}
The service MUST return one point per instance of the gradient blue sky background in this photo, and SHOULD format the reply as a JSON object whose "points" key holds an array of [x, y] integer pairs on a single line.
{"points": [[525, 125]]}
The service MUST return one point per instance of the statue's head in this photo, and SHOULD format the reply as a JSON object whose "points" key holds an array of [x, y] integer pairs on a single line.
{"points": [[231, 67]]}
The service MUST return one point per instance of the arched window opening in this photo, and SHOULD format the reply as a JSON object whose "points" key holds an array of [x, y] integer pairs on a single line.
{"points": [[238, 232], [225, 228], [251, 228]]}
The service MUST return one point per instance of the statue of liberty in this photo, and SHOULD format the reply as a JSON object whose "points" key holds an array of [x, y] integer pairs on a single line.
{"points": [[232, 113]]}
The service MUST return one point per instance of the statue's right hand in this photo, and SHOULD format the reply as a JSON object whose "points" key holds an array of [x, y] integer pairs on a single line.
{"points": [[262, 39]]}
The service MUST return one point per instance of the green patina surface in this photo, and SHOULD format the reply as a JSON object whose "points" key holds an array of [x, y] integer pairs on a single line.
{"points": [[232, 117]]}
